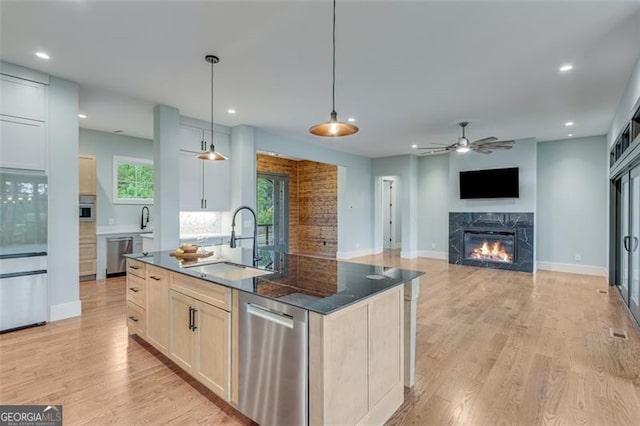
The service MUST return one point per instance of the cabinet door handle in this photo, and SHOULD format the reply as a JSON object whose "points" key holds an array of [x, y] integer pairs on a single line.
{"points": [[153, 277], [625, 242], [205, 203], [134, 267], [190, 318], [134, 319], [635, 243], [194, 326], [134, 289]]}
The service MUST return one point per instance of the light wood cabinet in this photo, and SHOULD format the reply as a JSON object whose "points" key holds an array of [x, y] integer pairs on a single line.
{"points": [[181, 334], [87, 174], [356, 362], [200, 331], [157, 314]]}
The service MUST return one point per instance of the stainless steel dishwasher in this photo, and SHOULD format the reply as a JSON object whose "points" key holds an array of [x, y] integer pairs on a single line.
{"points": [[273, 361], [116, 248]]}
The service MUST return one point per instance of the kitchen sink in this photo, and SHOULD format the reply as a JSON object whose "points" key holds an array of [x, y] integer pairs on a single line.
{"points": [[228, 271]]}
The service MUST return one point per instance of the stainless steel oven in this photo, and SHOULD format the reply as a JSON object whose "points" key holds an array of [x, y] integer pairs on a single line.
{"points": [[87, 208]]}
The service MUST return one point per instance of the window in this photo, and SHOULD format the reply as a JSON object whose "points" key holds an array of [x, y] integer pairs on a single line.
{"points": [[132, 180]]}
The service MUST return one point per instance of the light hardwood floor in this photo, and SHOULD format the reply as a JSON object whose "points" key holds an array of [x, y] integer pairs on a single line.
{"points": [[493, 347]]}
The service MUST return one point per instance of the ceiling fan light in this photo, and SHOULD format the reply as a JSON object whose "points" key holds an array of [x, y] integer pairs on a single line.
{"points": [[463, 149]]}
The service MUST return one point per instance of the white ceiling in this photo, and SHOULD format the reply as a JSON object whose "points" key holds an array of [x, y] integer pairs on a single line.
{"points": [[408, 71]]}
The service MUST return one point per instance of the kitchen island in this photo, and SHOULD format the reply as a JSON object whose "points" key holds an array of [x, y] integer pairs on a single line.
{"points": [[336, 343]]}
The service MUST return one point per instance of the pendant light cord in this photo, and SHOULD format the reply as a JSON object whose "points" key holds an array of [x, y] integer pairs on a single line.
{"points": [[333, 95], [212, 104]]}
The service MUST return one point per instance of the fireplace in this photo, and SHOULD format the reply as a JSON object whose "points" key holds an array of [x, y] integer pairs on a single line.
{"points": [[490, 246], [492, 240]]}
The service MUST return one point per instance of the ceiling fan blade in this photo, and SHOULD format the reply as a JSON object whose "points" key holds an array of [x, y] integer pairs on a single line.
{"points": [[426, 154], [483, 151], [485, 143], [489, 139], [447, 147]]}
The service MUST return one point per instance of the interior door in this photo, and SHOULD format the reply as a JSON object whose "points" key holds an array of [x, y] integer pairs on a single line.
{"points": [[623, 282], [633, 242]]}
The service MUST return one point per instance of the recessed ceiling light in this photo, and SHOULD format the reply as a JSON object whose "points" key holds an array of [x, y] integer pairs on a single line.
{"points": [[569, 123], [570, 134], [82, 116], [414, 146], [231, 111], [42, 55], [566, 67], [351, 119]]}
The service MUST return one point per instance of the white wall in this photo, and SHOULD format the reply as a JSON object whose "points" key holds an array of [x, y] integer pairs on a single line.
{"points": [[355, 200], [573, 204], [64, 297], [522, 155], [433, 206], [627, 106], [104, 146]]}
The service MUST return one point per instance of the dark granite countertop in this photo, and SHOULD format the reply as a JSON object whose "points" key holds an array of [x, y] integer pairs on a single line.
{"points": [[315, 284]]}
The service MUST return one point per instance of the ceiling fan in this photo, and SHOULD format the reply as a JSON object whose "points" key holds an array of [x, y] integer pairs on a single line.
{"points": [[483, 146]]}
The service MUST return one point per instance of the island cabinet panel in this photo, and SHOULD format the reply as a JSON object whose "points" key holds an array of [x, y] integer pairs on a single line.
{"points": [[213, 348], [181, 335], [158, 308], [356, 362], [136, 268], [200, 332], [135, 319], [136, 290]]}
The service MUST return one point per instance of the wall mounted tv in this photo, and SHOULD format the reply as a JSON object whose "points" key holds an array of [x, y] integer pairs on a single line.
{"points": [[491, 183]]}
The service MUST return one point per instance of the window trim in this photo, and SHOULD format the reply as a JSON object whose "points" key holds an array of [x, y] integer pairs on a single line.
{"points": [[117, 160]]}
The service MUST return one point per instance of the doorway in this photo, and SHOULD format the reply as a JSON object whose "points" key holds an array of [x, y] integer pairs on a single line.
{"points": [[273, 211], [388, 214], [628, 240]]}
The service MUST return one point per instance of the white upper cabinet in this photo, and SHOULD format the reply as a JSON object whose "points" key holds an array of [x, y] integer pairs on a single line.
{"points": [[217, 176], [22, 98], [204, 185], [22, 143]]}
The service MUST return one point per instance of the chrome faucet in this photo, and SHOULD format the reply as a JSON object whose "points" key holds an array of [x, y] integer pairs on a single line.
{"points": [[143, 223], [232, 242]]}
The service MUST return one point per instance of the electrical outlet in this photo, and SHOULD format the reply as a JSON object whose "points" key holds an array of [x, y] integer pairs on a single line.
{"points": [[433, 245], [111, 221], [578, 258]]}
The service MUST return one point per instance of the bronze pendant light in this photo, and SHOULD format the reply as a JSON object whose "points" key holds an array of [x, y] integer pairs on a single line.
{"points": [[211, 153], [333, 127]]}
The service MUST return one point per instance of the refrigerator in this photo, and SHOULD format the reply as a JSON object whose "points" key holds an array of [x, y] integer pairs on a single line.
{"points": [[23, 250]]}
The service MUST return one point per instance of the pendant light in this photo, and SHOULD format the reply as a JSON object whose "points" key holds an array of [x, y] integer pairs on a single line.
{"points": [[211, 153], [333, 127]]}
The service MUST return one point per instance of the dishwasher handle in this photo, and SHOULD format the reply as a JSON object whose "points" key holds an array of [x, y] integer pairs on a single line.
{"points": [[270, 315]]}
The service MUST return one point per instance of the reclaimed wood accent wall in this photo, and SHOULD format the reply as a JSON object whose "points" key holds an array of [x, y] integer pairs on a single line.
{"points": [[313, 203], [318, 204]]}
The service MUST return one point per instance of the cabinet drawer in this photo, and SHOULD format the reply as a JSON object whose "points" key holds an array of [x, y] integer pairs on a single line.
{"points": [[87, 251], [136, 287], [156, 275], [213, 294], [135, 319], [87, 267], [88, 233], [137, 268]]}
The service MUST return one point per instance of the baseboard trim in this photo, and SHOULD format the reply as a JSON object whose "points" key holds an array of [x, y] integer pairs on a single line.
{"points": [[600, 271], [431, 254], [355, 253], [65, 310], [412, 254]]}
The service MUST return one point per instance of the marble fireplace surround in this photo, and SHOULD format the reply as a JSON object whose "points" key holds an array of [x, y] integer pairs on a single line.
{"points": [[521, 224]]}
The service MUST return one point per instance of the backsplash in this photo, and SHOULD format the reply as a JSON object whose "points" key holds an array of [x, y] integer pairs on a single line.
{"points": [[200, 223]]}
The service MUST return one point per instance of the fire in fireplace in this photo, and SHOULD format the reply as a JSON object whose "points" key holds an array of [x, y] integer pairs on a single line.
{"points": [[494, 252], [489, 246]]}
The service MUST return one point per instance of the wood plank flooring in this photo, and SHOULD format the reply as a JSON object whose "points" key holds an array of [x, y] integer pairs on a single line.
{"points": [[493, 347]]}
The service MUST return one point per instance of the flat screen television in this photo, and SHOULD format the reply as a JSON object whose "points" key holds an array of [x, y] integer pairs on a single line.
{"points": [[491, 183]]}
